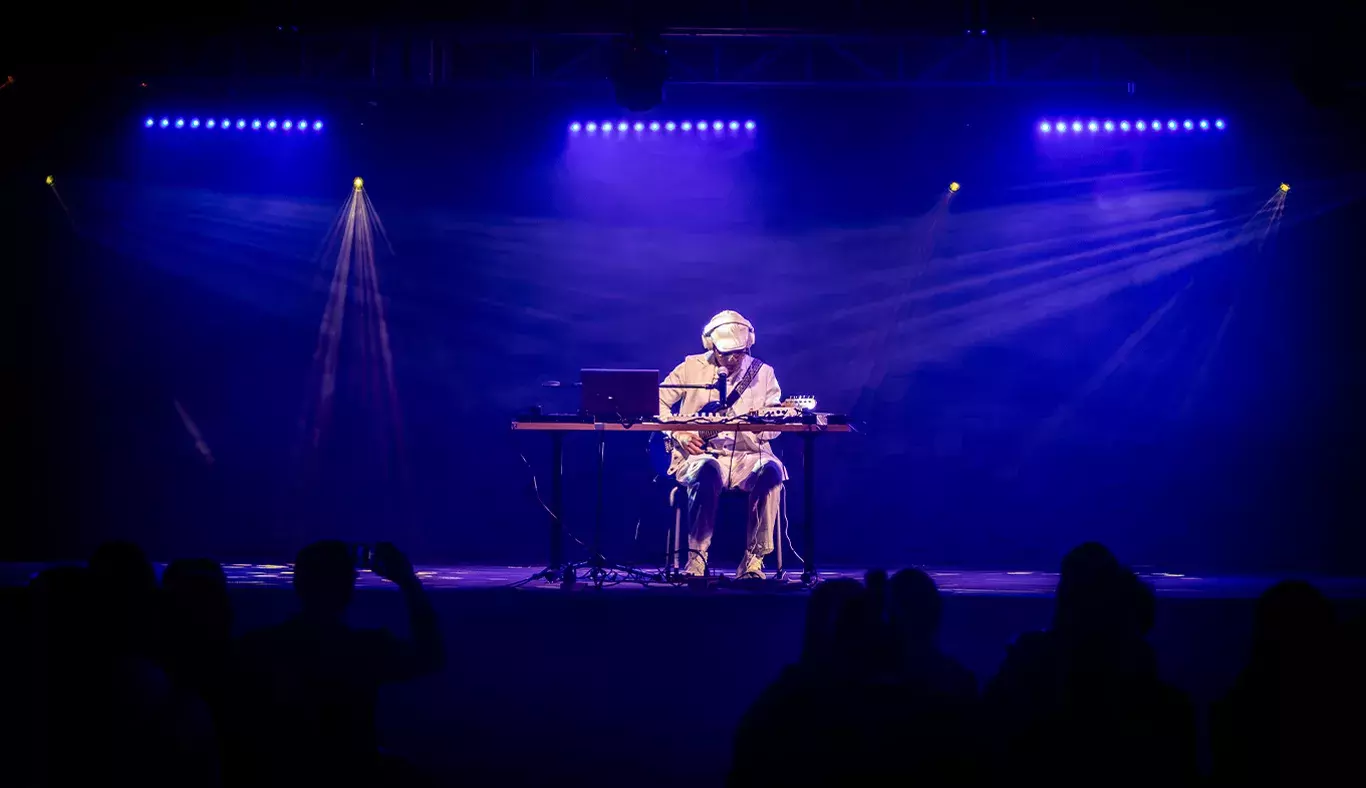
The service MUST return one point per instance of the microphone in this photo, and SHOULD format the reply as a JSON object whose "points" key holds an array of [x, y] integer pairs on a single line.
{"points": [[721, 385]]}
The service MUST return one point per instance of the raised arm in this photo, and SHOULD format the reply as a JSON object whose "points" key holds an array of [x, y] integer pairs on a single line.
{"points": [[425, 652]]}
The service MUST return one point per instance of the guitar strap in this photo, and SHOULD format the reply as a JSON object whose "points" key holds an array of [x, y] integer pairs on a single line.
{"points": [[746, 381]]}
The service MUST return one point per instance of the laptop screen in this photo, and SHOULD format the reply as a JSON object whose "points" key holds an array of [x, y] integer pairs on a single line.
{"points": [[620, 394]]}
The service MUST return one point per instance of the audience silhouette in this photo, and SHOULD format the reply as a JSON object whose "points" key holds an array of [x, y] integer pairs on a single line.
{"points": [[110, 712], [1081, 703], [915, 609], [197, 648], [310, 685], [872, 697], [125, 603], [1290, 718], [128, 681]]}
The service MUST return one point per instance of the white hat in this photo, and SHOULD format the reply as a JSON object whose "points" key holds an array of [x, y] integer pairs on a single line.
{"points": [[728, 332]]}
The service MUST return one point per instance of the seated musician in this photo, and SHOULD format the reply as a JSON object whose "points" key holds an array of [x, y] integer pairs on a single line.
{"points": [[705, 462]]}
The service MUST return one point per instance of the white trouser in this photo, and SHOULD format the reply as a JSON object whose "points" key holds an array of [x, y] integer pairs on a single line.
{"points": [[759, 474]]}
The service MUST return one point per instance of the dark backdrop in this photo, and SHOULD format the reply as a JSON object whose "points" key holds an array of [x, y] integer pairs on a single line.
{"points": [[1085, 342]]}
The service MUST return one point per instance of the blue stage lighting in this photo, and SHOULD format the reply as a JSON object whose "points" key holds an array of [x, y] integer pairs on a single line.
{"points": [[656, 126], [1052, 127]]}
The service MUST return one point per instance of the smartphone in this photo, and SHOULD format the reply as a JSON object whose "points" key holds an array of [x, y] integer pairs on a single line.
{"points": [[363, 556]]}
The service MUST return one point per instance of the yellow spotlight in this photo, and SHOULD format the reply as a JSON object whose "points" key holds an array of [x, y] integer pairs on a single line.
{"points": [[953, 187], [1285, 187], [359, 183], [48, 180]]}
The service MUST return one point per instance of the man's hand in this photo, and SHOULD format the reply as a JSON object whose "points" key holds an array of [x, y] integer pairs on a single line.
{"points": [[690, 443], [393, 565]]}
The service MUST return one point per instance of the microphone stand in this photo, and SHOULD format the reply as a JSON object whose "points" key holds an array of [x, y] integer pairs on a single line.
{"points": [[599, 570], [719, 387]]}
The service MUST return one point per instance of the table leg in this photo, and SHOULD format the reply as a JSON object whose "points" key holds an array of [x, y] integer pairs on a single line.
{"points": [[556, 500], [809, 507]]}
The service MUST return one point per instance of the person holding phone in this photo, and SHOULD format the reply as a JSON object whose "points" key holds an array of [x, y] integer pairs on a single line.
{"points": [[309, 687]]}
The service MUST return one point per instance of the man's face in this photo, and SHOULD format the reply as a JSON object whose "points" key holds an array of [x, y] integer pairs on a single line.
{"points": [[731, 361]]}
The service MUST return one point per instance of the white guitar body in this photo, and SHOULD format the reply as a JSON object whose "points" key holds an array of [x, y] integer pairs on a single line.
{"points": [[790, 408]]}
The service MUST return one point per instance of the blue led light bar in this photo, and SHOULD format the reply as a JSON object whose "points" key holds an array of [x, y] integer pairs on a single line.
{"points": [[216, 123], [1063, 127], [616, 129]]}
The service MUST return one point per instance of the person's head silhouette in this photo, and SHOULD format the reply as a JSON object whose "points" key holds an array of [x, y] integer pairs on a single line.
{"points": [[324, 578], [914, 605], [121, 569], [1294, 620], [827, 605], [196, 595], [1096, 593]]}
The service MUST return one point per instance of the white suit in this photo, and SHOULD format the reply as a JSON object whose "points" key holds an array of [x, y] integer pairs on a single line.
{"points": [[733, 460]]}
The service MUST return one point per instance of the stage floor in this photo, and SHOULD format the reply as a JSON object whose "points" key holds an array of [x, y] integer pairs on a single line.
{"points": [[988, 582]]}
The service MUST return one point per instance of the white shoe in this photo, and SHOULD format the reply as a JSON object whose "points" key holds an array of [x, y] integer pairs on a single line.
{"points": [[751, 568], [696, 566]]}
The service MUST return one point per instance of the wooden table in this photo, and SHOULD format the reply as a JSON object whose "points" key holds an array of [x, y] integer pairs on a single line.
{"points": [[558, 429]]}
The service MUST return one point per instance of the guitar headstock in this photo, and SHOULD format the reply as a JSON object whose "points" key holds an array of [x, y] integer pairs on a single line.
{"points": [[803, 402]]}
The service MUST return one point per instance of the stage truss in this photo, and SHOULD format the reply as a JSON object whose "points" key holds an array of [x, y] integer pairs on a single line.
{"points": [[453, 57]]}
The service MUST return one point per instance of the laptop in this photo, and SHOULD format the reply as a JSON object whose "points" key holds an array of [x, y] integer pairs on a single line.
{"points": [[620, 394]]}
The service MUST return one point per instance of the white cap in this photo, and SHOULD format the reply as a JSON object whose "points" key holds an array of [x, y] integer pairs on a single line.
{"points": [[728, 332]]}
